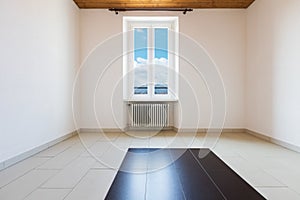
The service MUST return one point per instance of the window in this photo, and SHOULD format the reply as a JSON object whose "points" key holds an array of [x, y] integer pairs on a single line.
{"points": [[161, 60], [140, 61], [150, 58]]}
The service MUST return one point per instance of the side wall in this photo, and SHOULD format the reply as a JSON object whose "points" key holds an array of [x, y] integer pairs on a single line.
{"points": [[272, 82], [39, 58]]}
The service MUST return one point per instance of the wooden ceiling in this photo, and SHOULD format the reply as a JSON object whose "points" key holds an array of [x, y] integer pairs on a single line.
{"points": [[106, 4]]}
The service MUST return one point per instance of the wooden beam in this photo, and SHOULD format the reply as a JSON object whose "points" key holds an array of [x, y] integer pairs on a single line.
{"points": [[105, 4]]}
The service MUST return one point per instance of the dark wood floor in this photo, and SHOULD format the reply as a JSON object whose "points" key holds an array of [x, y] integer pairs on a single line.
{"points": [[170, 174]]}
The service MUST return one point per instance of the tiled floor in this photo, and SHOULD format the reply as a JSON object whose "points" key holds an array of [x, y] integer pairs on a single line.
{"points": [[83, 167]]}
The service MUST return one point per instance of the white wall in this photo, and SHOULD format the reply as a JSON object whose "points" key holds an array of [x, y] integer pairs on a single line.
{"points": [[222, 34], [97, 27], [39, 55], [272, 84]]}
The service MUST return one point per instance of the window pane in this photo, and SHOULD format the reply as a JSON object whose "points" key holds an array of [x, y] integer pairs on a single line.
{"points": [[140, 80], [161, 43], [161, 60], [140, 61]]}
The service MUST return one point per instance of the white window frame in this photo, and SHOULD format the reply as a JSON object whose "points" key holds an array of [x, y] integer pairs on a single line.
{"points": [[129, 23]]}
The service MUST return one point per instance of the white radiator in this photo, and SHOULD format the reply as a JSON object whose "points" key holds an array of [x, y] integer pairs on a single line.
{"points": [[149, 115]]}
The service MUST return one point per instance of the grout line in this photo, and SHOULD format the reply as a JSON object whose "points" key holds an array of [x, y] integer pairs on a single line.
{"points": [[271, 186], [178, 178], [72, 189], [17, 178], [76, 157], [54, 188], [146, 181], [33, 168], [39, 186], [102, 169], [211, 179]]}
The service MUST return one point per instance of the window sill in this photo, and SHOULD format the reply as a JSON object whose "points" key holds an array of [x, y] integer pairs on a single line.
{"points": [[166, 100]]}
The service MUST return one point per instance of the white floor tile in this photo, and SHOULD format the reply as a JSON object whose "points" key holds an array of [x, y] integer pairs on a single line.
{"points": [[101, 137], [93, 186], [71, 174], [189, 138], [89, 139], [260, 179], [289, 177], [19, 169], [122, 143], [238, 163], [23, 186], [175, 142], [1, 166], [196, 143], [97, 149], [99, 165], [113, 157], [48, 194], [278, 162], [157, 142], [58, 148], [279, 193], [62, 159], [225, 150], [141, 134], [269, 163], [139, 143]]}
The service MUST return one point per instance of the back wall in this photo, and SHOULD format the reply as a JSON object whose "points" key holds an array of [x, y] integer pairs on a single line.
{"points": [[222, 33]]}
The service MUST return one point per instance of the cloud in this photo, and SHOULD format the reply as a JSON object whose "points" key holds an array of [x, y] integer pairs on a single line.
{"points": [[161, 73], [161, 61], [157, 61], [141, 60]]}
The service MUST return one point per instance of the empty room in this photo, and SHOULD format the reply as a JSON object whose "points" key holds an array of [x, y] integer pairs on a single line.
{"points": [[151, 99]]}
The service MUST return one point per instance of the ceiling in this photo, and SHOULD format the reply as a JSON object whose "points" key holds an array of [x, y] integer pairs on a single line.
{"points": [[106, 4]]}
